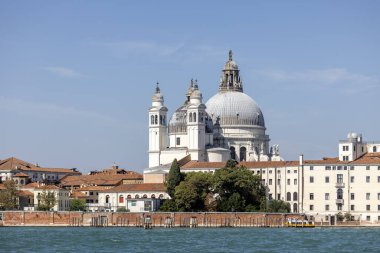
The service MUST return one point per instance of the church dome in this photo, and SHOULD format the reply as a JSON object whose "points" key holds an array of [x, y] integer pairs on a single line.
{"points": [[234, 108]]}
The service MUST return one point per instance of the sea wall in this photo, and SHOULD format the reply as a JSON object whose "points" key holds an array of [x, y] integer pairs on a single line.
{"points": [[156, 219]]}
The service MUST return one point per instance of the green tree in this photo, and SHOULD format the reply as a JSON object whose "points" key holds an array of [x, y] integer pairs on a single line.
{"points": [[237, 189], [77, 204], [278, 206], [8, 196], [46, 201], [169, 205], [122, 209], [174, 178]]}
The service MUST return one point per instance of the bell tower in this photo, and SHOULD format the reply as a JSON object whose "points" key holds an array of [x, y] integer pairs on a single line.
{"points": [[157, 128], [196, 117]]}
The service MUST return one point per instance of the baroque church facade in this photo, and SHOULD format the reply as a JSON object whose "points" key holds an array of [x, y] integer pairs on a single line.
{"points": [[230, 125]]}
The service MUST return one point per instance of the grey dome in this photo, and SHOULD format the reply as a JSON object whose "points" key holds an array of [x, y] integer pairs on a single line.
{"points": [[234, 108], [178, 123]]}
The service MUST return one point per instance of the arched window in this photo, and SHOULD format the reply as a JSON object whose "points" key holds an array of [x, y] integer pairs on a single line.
{"points": [[152, 120], [164, 120], [121, 199], [288, 196], [156, 119], [161, 121], [295, 196], [107, 199], [161, 196], [153, 196], [129, 196], [137, 196], [233, 153], [243, 154], [374, 149], [295, 208], [195, 117], [190, 117], [144, 196], [339, 194], [22, 181]]}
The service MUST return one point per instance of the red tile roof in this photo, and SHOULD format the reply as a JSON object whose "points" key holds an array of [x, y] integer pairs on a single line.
{"points": [[92, 188], [137, 188], [21, 174], [24, 193], [99, 179], [13, 163]]}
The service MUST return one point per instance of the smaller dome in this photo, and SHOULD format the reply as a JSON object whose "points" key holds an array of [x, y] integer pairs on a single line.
{"points": [[196, 94], [231, 65]]}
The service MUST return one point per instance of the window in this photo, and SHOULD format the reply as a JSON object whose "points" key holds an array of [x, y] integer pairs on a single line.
{"points": [[368, 218], [311, 207], [352, 196], [327, 207], [339, 207], [374, 149], [288, 196], [352, 179], [378, 207], [378, 196], [367, 179], [327, 196], [339, 178], [288, 181], [278, 196], [328, 168], [243, 154], [367, 196], [367, 167], [153, 196], [152, 120], [278, 181], [137, 196], [145, 196], [161, 196], [327, 179], [233, 153], [295, 171], [129, 196], [133, 203], [352, 207], [352, 168], [339, 194], [378, 179], [311, 179], [345, 158], [311, 167], [295, 181], [121, 199], [270, 181], [288, 171], [178, 141], [311, 196], [368, 207], [270, 171], [295, 196], [270, 196], [345, 148], [156, 119]]}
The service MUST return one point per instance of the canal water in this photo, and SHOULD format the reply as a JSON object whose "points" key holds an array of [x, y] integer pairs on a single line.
{"points": [[66, 239]]}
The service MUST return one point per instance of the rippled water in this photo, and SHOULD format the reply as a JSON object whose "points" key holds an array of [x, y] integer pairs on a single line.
{"points": [[40, 239]]}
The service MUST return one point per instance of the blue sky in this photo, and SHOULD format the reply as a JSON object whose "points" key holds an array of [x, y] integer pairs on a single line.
{"points": [[76, 77]]}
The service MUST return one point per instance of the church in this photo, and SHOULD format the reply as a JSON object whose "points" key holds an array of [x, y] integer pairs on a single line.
{"points": [[230, 125]]}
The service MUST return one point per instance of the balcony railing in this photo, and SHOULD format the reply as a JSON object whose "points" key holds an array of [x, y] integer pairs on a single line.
{"points": [[340, 201], [339, 185]]}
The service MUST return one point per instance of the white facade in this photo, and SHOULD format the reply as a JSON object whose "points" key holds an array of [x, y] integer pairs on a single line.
{"points": [[321, 188], [62, 197], [229, 125]]}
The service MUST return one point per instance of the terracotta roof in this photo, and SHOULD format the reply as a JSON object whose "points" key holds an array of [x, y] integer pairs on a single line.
{"points": [[99, 179], [92, 188], [31, 185], [21, 174], [137, 188], [24, 193], [48, 187], [13, 163], [78, 194]]}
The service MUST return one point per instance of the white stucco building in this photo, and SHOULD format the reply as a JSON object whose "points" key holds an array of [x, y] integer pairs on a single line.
{"points": [[229, 125]]}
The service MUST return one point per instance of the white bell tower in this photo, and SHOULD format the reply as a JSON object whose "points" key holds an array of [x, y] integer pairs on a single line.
{"points": [[196, 113], [157, 128]]}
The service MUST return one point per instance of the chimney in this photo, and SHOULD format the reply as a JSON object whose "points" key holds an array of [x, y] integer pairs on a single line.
{"points": [[301, 159]]}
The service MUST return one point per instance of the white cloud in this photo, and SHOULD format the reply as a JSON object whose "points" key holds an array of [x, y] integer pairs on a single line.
{"points": [[62, 71]]}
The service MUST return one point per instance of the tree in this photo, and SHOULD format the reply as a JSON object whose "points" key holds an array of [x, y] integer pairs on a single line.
{"points": [[174, 178], [8, 196], [278, 206], [169, 205], [46, 201], [77, 205], [237, 189], [122, 209]]}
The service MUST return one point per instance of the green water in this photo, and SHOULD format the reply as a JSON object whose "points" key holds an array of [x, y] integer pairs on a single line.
{"points": [[40, 239]]}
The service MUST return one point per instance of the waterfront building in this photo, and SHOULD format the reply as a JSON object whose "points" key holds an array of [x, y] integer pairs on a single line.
{"points": [[229, 125], [145, 197], [23, 172]]}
